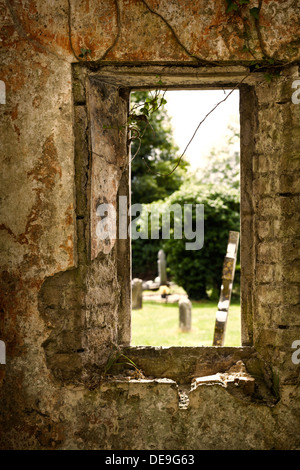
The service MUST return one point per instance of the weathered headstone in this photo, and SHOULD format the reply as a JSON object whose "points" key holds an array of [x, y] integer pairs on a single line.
{"points": [[185, 314], [226, 288], [162, 268], [137, 294]]}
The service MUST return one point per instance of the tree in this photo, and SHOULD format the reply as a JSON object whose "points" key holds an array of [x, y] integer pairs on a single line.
{"points": [[201, 270], [223, 164], [157, 155], [156, 151], [217, 187]]}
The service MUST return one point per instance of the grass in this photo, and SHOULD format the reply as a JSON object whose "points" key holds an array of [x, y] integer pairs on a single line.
{"points": [[157, 324]]}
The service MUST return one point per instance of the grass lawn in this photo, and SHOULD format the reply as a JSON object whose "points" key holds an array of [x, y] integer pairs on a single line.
{"points": [[156, 324]]}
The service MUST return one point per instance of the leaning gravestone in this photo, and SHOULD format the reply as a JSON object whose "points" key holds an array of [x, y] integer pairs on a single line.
{"points": [[137, 294], [162, 268], [185, 314], [226, 289]]}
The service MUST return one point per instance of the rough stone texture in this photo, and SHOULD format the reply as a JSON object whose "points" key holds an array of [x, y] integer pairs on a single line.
{"points": [[65, 297]]}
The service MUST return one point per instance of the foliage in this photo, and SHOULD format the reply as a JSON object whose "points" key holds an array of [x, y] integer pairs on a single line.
{"points": [[222, 165], [113, 359], [217, 187], [84, 52], [157, 153], [157, 148], [144, 258], [197, 271], [234, 5]]}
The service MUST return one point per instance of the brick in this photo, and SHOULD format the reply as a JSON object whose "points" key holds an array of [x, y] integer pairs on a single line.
{"points": [[291, 294], [267, 94], [290, 161], [269, 294], [265, 273], [289, 205], [268, 252], [289, 183], [285, 314], [265, 162], [264, 185], [265, 228], [290, 251], [278, 273], [291, 273], [269, 207], [285, 227]]}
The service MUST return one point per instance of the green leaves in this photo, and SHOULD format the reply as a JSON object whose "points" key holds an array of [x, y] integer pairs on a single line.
{"points": [[234, 5], [145, 110], [159, 80], [255, 13], [157, 149], [270, 60], [231, 6], [255, 64], [269, 76], [114, 356], [148, 107], [84, 52], [201, 270]]}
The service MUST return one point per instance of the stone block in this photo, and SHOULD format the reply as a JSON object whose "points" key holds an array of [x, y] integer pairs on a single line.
{"points": [[268, 252], [265, 228], [265, 273]]}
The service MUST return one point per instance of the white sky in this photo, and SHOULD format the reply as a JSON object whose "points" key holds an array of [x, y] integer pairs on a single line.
{"points": [[188, 107]]}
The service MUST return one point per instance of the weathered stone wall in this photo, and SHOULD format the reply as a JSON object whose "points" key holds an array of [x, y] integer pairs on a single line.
{"points": [[64, 296], [276, 199]]}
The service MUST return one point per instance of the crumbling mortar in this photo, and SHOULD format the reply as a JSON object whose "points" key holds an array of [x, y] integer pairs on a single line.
{"points": [[263, 391]]}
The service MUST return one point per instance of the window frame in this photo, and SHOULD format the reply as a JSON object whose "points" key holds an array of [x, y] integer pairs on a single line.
{"points": [[125, 79]]}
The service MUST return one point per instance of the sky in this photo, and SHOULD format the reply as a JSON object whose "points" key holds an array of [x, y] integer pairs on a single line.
{"points": [[188, 107]]}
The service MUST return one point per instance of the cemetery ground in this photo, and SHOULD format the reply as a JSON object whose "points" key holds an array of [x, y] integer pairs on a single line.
{"points": [[157, 323]]}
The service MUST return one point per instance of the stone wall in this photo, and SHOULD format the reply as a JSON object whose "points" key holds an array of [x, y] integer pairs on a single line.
{"points": [[65, 297]]}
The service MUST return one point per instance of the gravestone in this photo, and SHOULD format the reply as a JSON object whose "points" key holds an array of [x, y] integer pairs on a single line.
{"points": [[162, 268], [137, 294], [226, 288], [185, 314]]}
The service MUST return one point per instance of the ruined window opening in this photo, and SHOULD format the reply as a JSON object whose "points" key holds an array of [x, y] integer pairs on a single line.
{"points": [[102, 277], [190, 337]]}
